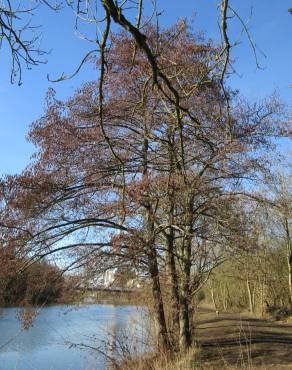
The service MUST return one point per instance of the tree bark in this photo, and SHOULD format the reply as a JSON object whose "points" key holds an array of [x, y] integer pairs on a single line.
{"points": [[250, 296], [213, 296], [170, 238], [163, 340], [149, 223], [185, 332], [289, 258], [225, 297], [174, 285]]}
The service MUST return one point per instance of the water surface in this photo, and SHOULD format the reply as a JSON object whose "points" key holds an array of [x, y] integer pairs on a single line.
{"points": [[58, 333]]}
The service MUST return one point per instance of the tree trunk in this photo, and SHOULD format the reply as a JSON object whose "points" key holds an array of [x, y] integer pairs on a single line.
{"points": [[185, 330], [289, 258], [163, 340], [225, 298], [213, 296], [150, 250], [174, 286], [262, 298], [172, 269], [250, 297]]}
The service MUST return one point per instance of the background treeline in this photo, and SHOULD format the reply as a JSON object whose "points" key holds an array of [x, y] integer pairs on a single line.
{"points": [[258, 278], [40, 283], [251, 281]]}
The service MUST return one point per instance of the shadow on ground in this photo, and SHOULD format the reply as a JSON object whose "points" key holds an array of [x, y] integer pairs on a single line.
{"points": [[233, 340]]}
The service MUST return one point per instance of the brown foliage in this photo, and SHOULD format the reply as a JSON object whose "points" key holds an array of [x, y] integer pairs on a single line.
{"points": [[148, 173]]}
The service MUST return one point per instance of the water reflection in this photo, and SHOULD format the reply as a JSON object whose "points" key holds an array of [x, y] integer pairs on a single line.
{"points": [[46, 345]]}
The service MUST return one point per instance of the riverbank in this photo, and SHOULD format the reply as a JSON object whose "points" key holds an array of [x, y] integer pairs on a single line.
{"points": [[107, 296], [230, 341]]}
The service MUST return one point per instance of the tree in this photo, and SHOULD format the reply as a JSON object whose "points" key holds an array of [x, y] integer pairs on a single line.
{"points": [[143, 174], [281, 212], [257, 276], [19, 35]]}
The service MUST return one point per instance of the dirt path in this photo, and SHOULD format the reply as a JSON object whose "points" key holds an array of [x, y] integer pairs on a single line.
{"points": [[240, 341]]}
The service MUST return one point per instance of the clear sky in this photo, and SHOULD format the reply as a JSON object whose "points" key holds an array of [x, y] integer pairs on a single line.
{"points": [[270, 27]]}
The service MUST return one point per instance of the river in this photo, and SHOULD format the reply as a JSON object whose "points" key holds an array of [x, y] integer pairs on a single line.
{"points": [[60, 336]]}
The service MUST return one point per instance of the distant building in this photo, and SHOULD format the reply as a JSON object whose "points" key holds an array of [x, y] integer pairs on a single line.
{"points": [[109, 278]]}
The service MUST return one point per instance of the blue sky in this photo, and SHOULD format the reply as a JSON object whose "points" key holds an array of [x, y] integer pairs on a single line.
{"points": [[270, 27]]}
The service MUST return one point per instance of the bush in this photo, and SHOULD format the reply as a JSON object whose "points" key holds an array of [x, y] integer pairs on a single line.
{"points": [[277, 312], [41, 283]]}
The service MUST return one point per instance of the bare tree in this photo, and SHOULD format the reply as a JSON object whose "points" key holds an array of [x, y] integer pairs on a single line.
{"points": [[20, 36], [145, 165], [281, 212]]}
